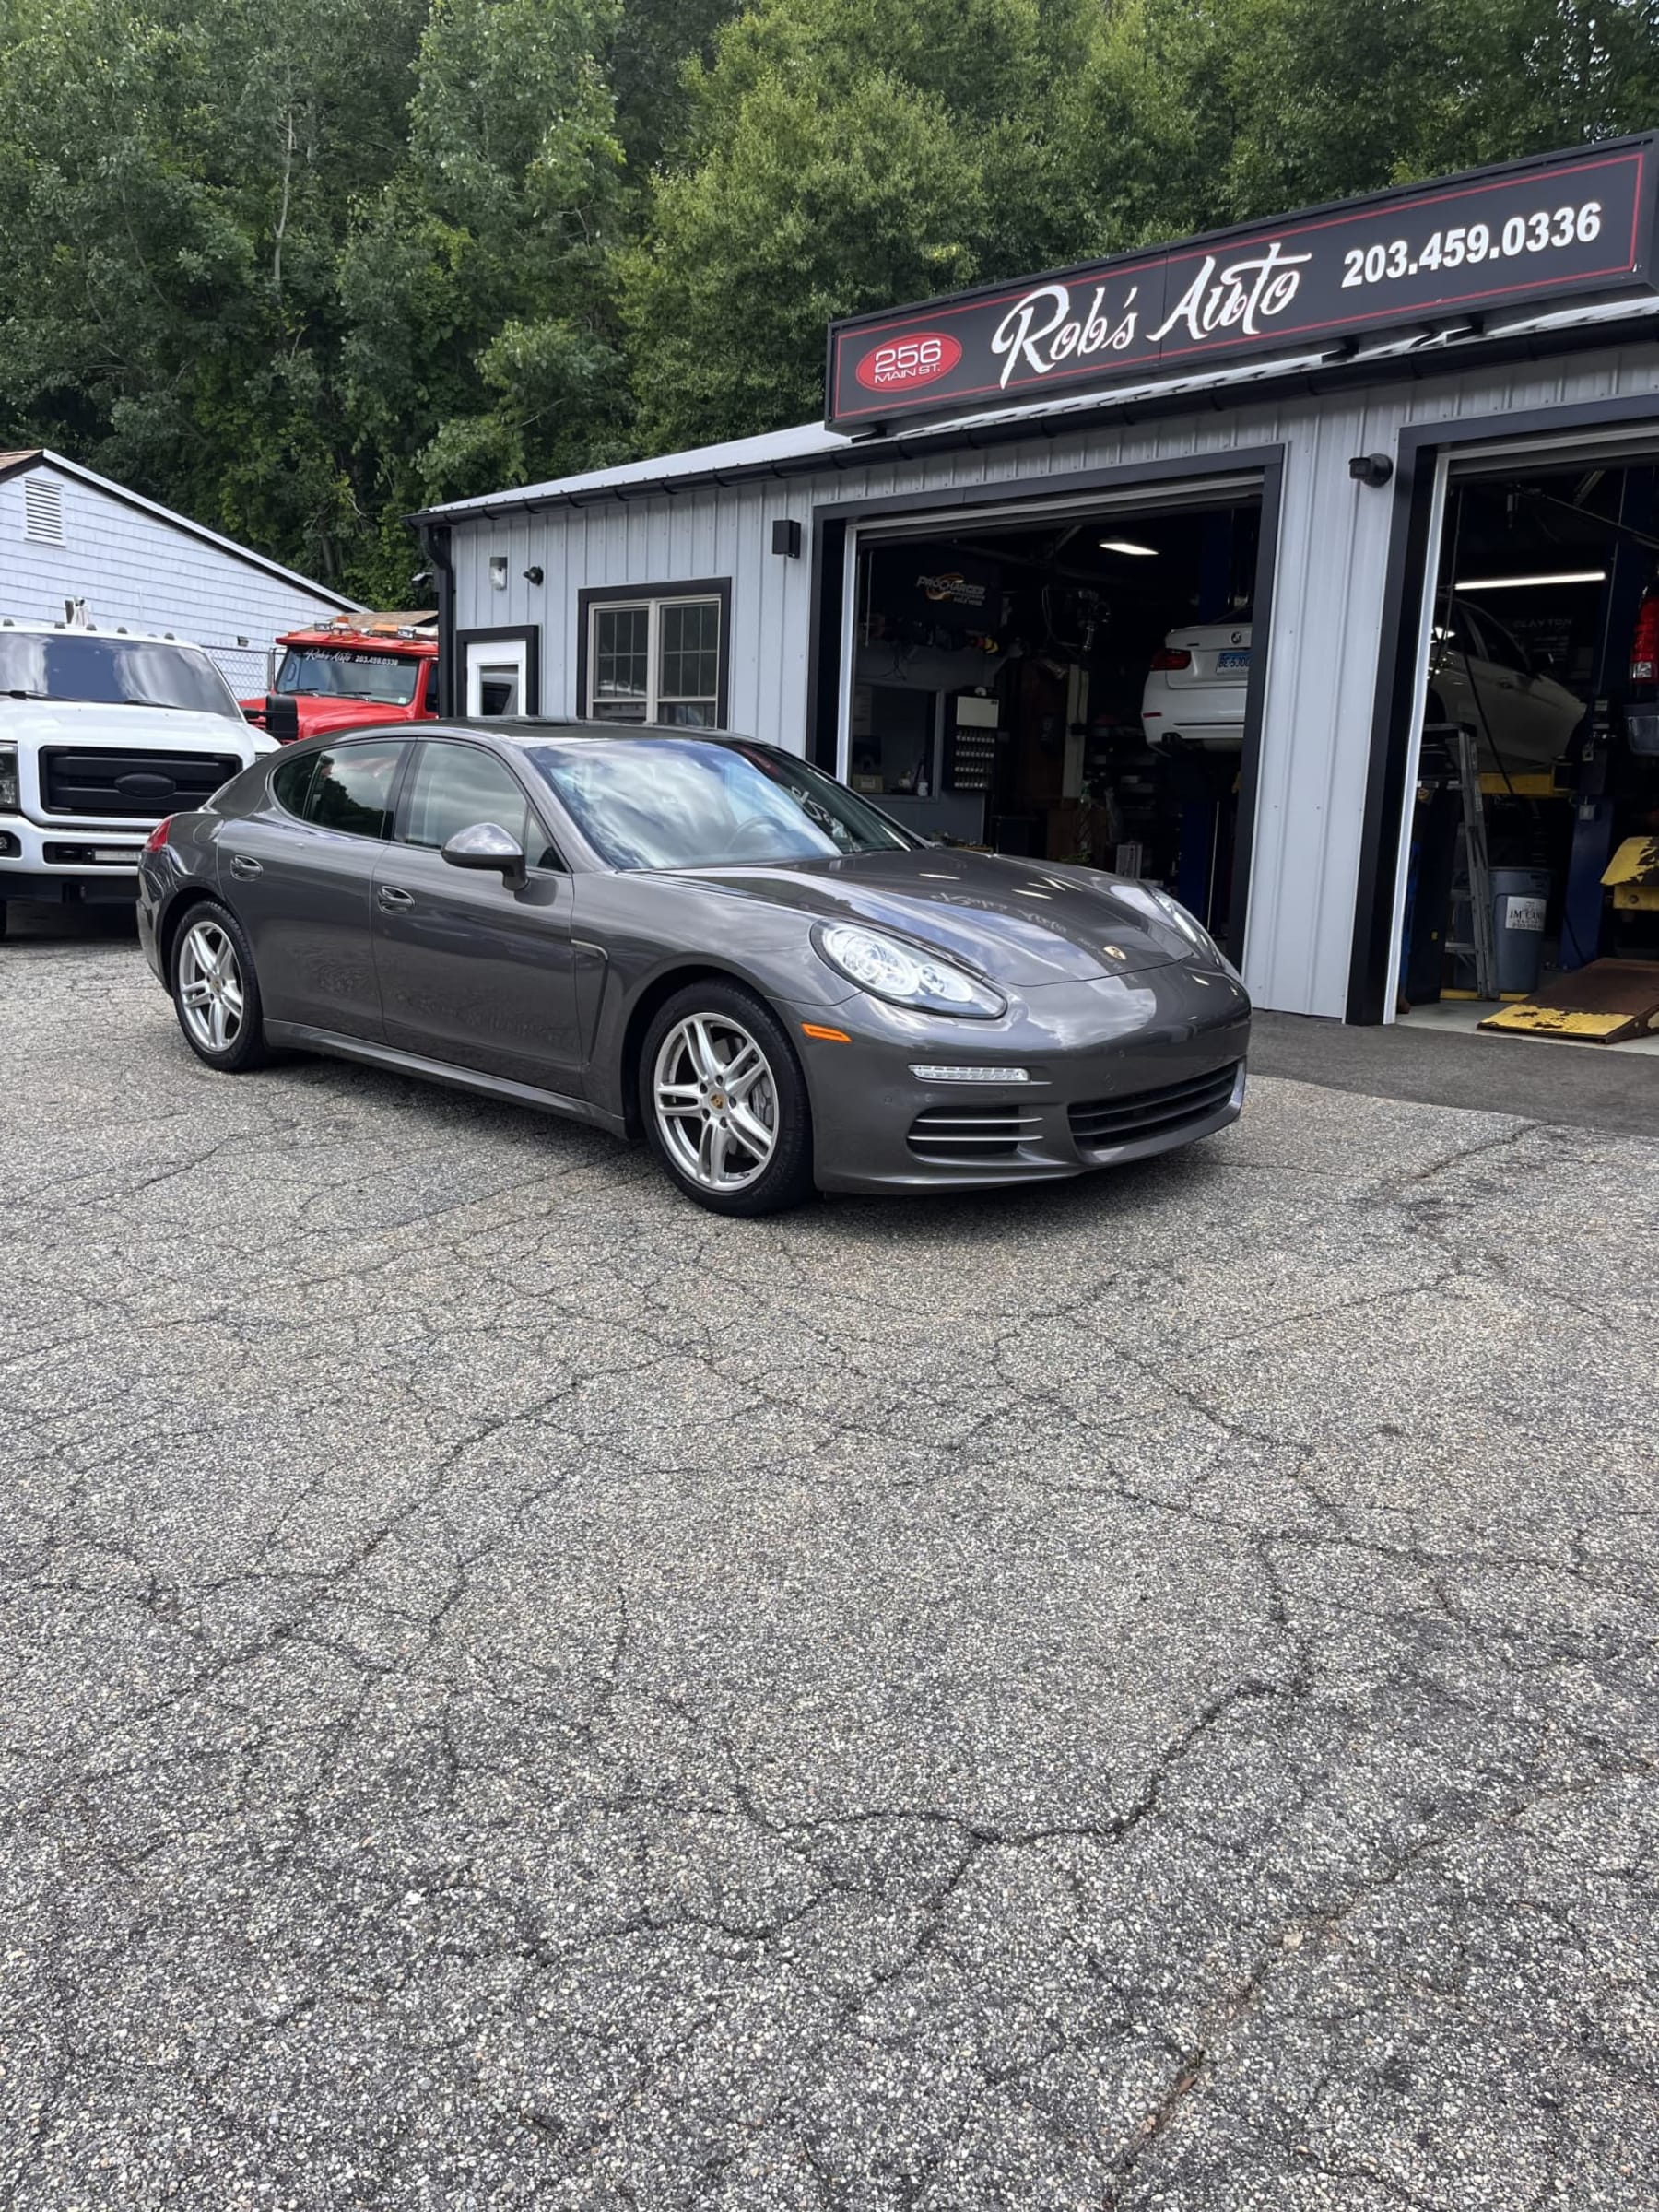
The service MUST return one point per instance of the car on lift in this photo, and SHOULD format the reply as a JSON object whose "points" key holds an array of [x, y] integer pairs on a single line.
{"points": [[1480, 676], [102, 732], [697, 939]]}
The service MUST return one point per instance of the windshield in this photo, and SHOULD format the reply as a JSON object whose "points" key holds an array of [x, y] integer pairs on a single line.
{"points": [[112, 672], [385, 679], [677, 803]]}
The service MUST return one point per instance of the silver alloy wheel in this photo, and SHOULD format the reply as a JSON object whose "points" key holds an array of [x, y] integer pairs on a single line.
{"points": [[716, 1103], [210, 986]]}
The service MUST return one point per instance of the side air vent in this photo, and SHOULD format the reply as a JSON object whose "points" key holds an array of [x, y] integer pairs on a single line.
{"points": [[966, 1135]]}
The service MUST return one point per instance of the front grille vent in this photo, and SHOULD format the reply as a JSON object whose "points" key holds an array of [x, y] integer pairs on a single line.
{"points": [[971, 1133], [135, 787], [1107, 1123]]}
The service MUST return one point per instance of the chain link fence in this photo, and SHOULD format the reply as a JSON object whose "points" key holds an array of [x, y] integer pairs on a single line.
{"points": [[244, 667]]}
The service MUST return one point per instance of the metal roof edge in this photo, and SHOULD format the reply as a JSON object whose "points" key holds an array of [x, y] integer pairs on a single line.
{"points": [[1314, 375]]}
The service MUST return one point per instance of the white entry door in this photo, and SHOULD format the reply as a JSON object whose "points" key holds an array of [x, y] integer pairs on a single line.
{"points": [[498, 676]]}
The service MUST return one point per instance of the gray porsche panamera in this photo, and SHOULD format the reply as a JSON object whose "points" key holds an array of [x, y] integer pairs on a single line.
{"points": [[697, 939]]}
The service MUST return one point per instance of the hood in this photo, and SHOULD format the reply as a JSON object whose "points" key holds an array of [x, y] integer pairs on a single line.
{"points": [[1020, 922], [318, 714], [89, 724]]}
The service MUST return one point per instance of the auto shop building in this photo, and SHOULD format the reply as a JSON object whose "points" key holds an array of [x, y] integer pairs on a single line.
{"points": [[1287, 567]]}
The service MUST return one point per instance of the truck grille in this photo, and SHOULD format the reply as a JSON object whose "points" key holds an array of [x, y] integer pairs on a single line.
{"points": [[136, 786], [1107, 1123], [965, 1135]]}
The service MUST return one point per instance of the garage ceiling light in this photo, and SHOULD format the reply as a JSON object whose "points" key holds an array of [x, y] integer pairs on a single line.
{"points": [[1519, 583], [1127, 544]]}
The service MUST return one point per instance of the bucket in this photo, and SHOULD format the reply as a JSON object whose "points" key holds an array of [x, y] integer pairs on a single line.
{"points": [[1520, 902]]}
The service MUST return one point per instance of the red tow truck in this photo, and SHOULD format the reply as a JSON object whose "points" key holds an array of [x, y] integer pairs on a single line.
{"points": [[349, 673]]}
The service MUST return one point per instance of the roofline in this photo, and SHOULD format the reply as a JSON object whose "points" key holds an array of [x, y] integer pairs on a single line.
{"points": [[1395, 361], [43, 456]]}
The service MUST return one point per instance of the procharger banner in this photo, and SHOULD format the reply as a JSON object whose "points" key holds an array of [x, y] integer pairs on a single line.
{"points": [[1529, 233]]}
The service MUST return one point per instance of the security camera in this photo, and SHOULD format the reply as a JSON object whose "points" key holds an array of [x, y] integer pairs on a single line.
{"points": [[1370, 469]]}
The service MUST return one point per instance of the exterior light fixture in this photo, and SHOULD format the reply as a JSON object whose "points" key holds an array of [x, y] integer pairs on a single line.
{"points": [[498, 570], [786, 537], [1127, 544]]}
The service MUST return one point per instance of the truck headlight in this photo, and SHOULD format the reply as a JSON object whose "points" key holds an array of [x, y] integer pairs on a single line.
{"points": [[10, 799]]}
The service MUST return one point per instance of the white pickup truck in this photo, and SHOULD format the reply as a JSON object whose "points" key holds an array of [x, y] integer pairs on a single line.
{"points": [[103, 733]]}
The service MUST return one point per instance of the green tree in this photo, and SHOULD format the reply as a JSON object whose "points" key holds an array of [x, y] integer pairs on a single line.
{"points": [[646, 56], [480, 346], [842, 154], [846, 153], [174, 189]]}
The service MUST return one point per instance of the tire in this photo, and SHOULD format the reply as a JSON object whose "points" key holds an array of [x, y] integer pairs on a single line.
{"points": [[744, 1152], [211, 960]]}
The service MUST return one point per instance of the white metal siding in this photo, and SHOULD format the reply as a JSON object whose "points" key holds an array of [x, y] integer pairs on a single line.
{"points": [[136, 568], [1322, 660]]}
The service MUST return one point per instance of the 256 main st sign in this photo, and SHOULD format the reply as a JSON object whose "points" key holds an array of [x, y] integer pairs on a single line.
{"points": [[1527, 234]]}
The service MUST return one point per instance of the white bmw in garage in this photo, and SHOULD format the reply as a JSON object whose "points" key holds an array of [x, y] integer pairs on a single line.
{"points": [[1479, 676], [1195, 687]]}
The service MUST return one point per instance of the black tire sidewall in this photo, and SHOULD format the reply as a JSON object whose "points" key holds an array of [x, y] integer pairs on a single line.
{"points": [[787, 1181], [247, 1048]]}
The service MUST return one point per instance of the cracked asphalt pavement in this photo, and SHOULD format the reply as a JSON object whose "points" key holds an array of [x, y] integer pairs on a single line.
{"points": [[514, 1692]]}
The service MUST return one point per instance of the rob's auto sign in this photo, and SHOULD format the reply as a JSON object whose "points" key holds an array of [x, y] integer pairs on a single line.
{"points": [[1575, 225]]}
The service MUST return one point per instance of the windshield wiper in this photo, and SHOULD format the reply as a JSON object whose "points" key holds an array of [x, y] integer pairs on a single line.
{"points": [[15, 694]]}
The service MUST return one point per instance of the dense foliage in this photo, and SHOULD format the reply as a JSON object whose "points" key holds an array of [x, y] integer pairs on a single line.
{"points": [[300, 269]]}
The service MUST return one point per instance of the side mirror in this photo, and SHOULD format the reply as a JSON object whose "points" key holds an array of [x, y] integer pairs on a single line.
{"points": [[487, 845]]}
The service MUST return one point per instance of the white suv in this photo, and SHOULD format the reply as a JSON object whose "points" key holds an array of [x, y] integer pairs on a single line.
{"points": [[103, 734]]}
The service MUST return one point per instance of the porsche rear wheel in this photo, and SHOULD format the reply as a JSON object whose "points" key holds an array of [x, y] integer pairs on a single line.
{"points": [[215, 991], [724, 1102]]}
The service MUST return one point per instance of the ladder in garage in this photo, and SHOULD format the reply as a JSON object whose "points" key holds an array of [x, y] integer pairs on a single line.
{"points": [[1479, 946]]}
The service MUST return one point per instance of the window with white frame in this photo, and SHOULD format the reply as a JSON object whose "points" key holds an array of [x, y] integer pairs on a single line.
{"points": [[655, 659]]}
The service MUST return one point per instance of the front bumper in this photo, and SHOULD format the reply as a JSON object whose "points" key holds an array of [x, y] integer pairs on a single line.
{"points": [[67, 860], [1119, 1069]]}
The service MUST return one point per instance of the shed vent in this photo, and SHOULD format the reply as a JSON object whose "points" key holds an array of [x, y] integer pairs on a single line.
{"points": [[43, 510]]}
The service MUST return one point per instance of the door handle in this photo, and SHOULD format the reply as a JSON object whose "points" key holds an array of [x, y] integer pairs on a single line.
{"points": [[392, 899], [244, 865]]}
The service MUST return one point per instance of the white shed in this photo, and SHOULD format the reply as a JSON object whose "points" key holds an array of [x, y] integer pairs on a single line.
{"points": [[68, 533]]}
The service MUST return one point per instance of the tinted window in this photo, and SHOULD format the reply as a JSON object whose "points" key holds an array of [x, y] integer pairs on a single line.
{"points": [[351, 789], [291, 782], [113, 672], [383, 679], [682, 803], [452, 786]]}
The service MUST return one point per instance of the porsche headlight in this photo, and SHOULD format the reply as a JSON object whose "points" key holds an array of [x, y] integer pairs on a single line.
{"points": [[905, 974], [1159, 907]]}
